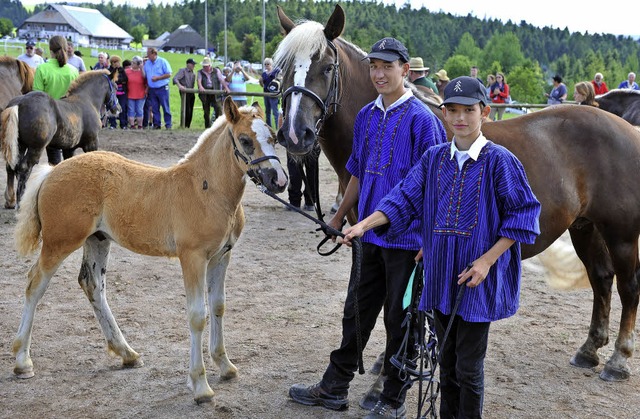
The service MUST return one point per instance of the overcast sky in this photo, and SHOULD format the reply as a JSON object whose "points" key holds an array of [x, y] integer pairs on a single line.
{"points": [[612, 16]]}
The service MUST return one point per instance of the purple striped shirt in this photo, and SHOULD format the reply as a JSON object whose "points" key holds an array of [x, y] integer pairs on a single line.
{"points": [[386, 145], [465, 212]]}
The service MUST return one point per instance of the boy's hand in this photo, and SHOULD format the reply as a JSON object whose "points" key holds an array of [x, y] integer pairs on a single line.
{"points": [[474, 273]]}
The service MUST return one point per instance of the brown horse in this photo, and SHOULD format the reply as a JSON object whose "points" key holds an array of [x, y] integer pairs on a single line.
{"points": [[191, 211], [34, 121], [622, 102], [582, 164]]}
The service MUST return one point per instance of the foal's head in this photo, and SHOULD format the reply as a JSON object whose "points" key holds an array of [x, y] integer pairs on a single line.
{"points": [[254, 144]]}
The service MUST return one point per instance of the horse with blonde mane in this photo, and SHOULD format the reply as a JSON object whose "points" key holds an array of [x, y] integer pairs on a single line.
{"points": [[191, 211]]}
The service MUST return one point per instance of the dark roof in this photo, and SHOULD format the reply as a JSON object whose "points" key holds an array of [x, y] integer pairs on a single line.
{"points": [[184, 37]]}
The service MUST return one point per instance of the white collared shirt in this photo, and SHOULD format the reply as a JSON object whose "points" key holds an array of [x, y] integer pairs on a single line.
{"points": [[473, 152], [380, 104]]}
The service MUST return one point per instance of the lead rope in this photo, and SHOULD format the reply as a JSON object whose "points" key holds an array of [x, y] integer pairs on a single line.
{"points": [[356, 266]]}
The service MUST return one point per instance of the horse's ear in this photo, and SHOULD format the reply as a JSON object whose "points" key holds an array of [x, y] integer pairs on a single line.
{"points": [[335, 24], [231, 110], [286, 23], [256, 106]]}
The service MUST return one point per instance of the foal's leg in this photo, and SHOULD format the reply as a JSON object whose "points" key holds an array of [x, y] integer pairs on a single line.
{"points": [[193, 271], [10, 192], [39, 276], [625, 260], [216, 273], [593, 253], [23, 170], [92, 280]]}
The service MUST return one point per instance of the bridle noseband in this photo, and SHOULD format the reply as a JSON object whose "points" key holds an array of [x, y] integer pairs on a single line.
{"points": [[253, 174], [331, 101], [113, 99]]}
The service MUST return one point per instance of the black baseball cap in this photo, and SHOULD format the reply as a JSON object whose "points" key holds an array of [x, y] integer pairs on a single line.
{"points": [[31, 43], [465, 91], [190, 61], [389, 49]]}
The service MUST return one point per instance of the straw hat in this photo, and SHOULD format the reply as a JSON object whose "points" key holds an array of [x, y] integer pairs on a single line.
{"points": [[206, 61], [416, 64], [442, 75]]}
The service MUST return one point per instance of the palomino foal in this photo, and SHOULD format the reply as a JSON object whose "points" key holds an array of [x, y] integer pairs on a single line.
{"points": [[191, 211]]}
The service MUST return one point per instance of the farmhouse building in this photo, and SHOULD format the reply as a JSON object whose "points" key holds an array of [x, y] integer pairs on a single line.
{"points": [[86, 27], [184, 39]]}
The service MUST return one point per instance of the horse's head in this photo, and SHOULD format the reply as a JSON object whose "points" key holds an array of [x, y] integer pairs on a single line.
{"points": [[110, 98], [254, 145], [310, 64]]}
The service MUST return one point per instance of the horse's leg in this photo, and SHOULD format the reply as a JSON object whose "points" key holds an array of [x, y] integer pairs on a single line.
{"points": [[592, 251], [23, 170], [216, 273], [39, 276], [624, 254], [92, 280], [10, 192], [193, 271]]}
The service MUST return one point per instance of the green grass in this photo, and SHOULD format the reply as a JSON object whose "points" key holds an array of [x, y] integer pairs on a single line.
{"points": [[177, 62]]}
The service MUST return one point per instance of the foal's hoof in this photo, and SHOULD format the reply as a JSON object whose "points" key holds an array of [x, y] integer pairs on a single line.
{"points": [[615, 374], [23, 373], [204, 399], [8, 205], [581, 360], [136, 363]]}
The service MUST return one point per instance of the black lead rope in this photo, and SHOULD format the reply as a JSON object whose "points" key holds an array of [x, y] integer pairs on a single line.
{"points": [[356, 263]]}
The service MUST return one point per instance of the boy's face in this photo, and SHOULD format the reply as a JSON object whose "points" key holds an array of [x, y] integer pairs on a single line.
{"points": [[465, 120], [388, 77]]}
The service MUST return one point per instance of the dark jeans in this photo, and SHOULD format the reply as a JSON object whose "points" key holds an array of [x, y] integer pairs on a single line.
{"points": [[190, 100], [461, 366], [159, 97], [54, 155], [271, 108], [384, 277], [122, 116], [308, 168], [209, 101], [145, 113]]}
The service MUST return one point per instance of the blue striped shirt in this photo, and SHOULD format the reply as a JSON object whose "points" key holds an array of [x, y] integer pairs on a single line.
{"points": [[465, 211], [386, 144]]}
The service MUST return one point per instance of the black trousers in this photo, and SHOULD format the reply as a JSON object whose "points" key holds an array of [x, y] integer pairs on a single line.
{"points": [[209, 101], [384, 278], [308, 167], [461, 366], [190, 100]]}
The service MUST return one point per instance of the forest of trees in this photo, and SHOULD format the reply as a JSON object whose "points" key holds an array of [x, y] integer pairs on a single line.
{"points": [[529, 56]]}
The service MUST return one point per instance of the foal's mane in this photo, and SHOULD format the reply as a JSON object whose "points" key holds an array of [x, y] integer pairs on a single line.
{"points": [[26, 73], [84, 78], [619, 92]]}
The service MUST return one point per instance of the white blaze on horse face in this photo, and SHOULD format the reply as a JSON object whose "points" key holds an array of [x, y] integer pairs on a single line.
{"points": [[301, 69], [263, 134]]}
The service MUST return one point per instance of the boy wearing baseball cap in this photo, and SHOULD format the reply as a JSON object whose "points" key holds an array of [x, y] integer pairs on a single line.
{"points": [[390, 135], [476, 208]]}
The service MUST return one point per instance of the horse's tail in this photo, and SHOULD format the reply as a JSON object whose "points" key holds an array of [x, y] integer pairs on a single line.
{"points": [[9, 136], [564, 270], [28, 228]]}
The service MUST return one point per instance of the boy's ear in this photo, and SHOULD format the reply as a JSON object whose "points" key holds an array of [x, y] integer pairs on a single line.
{"points": [[485, 111]]}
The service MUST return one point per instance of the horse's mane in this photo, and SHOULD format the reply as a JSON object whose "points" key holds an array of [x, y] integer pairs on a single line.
{"points": [[84, 78], [306, 39], [25, 72], [619, 92]]}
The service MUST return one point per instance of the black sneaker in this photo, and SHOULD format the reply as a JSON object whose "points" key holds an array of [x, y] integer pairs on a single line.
{"points": [[314, 395], [385, 411]]}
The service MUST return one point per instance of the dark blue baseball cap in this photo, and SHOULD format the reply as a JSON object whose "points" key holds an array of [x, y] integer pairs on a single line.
{"points": [[465, 91], [389, 49]]}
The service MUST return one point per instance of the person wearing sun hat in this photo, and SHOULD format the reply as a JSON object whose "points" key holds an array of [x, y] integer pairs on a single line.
{"points": [[389, 136], [418, 75], [210, 78], [476, 208], [442, 81]]}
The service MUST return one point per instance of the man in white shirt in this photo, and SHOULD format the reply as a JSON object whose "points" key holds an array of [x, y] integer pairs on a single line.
{"points": [[30, 57]]}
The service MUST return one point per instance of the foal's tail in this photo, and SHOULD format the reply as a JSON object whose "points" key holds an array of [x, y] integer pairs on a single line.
{"points": [[28, 228], [563, 269], [9, 135]]}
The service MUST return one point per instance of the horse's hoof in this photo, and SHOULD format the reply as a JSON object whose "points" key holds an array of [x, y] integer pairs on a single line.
{"points": [[204, 399], [23, 373], [615, 374], [581, 360], [136, 363], [9, 206]]}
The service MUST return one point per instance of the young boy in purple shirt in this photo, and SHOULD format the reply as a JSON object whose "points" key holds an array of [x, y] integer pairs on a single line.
{"points": [[390, 136], [476, 208]]}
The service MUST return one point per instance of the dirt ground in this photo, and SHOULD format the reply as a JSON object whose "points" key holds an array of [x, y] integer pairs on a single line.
{"points": [[284, 305]]}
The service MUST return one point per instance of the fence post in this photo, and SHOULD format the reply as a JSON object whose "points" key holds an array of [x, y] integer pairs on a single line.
{"points": [[183, 105]]}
